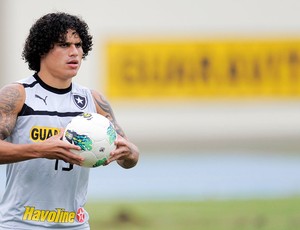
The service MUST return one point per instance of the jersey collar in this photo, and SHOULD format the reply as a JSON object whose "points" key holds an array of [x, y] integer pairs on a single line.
{"points": [[50, 88]]}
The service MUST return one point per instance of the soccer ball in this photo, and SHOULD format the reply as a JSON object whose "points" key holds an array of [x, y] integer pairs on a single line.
{"points": [[95, 135]]}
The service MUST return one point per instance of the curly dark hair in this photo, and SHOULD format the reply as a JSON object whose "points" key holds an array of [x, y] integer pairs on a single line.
{"points": [[50, 29]]}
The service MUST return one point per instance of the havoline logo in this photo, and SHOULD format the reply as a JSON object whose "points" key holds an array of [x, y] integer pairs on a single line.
{"points": [[41, 133], [59, 215]]}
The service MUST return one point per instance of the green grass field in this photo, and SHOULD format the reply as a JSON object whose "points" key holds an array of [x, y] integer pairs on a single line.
{"points": [[277, 214]]}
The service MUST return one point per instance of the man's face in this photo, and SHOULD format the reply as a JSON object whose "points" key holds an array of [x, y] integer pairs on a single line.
{"points": [[64, 60]]}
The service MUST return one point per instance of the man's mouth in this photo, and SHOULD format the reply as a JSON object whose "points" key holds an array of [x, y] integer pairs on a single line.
{"points": [[73, 63]]}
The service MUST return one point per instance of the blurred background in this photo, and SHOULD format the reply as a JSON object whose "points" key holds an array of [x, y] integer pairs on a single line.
{"points": [[209, 90]]}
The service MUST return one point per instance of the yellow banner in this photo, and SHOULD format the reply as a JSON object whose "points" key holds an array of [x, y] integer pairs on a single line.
{"points": [[203, 69]]}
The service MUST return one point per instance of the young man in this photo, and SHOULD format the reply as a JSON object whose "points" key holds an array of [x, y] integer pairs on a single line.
{"points": [[46, 187]]}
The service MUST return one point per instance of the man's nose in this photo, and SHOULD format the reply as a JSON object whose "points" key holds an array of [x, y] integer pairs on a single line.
{"points": [[73, 51]]}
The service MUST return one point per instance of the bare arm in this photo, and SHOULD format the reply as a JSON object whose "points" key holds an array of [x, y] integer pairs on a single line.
{"points": [[126, 153], [11, 101]]}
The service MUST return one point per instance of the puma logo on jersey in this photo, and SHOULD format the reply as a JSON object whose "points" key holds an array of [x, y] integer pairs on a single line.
{"points": [[39, 97]]}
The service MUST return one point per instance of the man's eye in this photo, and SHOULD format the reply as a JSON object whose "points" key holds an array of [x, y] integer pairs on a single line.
{"points": [[63, 45], [78, 45]]}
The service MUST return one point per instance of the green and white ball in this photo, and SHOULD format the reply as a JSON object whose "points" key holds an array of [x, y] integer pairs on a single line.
{"points": [[95, 135]]}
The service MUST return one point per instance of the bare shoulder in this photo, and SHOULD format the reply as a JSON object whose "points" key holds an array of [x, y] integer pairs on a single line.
{"points": [[101, 103], [11, 101], [104, 108], [11, 98]]}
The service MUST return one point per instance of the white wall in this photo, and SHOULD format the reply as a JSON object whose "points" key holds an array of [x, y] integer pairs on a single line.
{"points": [[132, 18], [150, 123]]}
